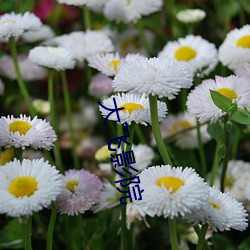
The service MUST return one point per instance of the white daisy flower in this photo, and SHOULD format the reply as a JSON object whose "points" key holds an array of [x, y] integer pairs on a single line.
{"points": [[28, 186], [85, 44], [42, 34], [235, 49], [200, 103], [130, 11], [89, 3], [191, 15], [197, 53], [42, 106], [14, 25], [236, 179], [156, 76], [174, 124], [51, 57], [108, 198], [136, 109], [170, 192], [26, 132], [110, 63], [221, 212], [29, 70], [247, 191]]}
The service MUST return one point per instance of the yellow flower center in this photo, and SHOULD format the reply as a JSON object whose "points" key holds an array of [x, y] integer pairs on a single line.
{"points": [[23, 186], [6, 156], [13, 21], [180, 125], [129, 1], [130, 107], [229, 181], [114, 64], [244, 42], [227, 92], [170, 182], [70, 185], [214, 205], [185, 53], [20, 126]]}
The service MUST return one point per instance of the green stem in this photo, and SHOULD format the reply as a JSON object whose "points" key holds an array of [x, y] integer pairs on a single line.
{"points": [[54, 120], [50, 233], [140, 135], [203, 170], [21, 84], [156, 130], [27, 229], [173, 235], [86, 17], [66, 96], [242, 14], [18, 153], [215, 164], [143, 37], [82, 227], [226, 158], [124, 231], [205, 244], [202, 237], [236, 142]]}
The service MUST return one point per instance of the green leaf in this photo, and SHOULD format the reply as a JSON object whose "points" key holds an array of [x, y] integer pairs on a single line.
{"points": [[241, 116], [215, 130], [222, 102], [245, 244]]}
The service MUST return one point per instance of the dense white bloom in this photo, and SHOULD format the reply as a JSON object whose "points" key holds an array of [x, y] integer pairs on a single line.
{"points": [[174, 124], [200, 103], [170, 192], [90, 3], [130, 11], [14, 25], [191, 15], [28, 186], [156, 76], [51, 57], [221, 212], [100, 86], [85, 44], [26, 132], [110, 63], [136, 108], [29, 70], [197, 53], [42, 34], [235, 49]]}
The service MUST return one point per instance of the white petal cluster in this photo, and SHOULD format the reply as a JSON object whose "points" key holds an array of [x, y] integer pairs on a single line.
{"points": [[203, 61], [163, 77], [110, 63], [90, 3], [14, 25], [85, 44], [221, 212], [51, 57], [130, 11], [191, 15], [136, 109], [232, 53], [200, 103], [35, 133], [49, 185], [174, 200], [42, 34]]}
